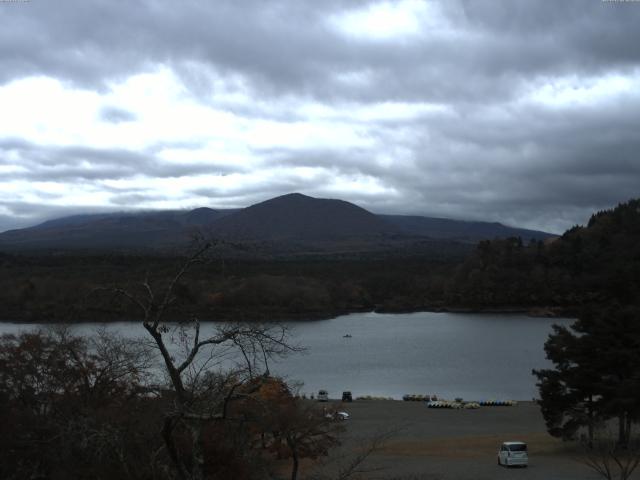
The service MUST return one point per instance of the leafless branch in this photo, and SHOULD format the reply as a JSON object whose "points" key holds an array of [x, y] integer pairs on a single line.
{"points": [[610, 460], [353, 465]]}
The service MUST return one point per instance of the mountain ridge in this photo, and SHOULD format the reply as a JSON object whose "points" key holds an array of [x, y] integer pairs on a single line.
{"points": [[288, 219], [300, 217]]}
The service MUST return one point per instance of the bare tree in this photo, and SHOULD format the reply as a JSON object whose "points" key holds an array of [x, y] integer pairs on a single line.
{"points": [[200, 398], [292, 427], [71, 406], [355, 464], [611, 460]]}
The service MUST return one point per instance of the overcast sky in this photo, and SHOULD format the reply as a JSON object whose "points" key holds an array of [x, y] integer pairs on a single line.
{"points": [[524, 112]]}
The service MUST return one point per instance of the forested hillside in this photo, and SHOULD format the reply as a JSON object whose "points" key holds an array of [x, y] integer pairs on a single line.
{"points": [[597, 263], [594, 264]]}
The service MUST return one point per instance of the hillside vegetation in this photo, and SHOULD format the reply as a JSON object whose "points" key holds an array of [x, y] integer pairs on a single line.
{"points": [[594, 264]]}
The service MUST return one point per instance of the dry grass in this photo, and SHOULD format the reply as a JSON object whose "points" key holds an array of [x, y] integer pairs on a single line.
{"points": [[474, 446]]}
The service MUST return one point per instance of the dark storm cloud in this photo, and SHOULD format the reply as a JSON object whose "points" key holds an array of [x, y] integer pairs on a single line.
{"points": [[493, 155], [521, 168], [289, 47], [534, 163]]}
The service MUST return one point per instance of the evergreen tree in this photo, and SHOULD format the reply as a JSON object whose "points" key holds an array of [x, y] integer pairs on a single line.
{"points": [[596, 375]]}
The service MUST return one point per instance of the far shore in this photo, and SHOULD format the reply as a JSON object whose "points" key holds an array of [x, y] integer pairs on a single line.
{"points": [[283, 316]]}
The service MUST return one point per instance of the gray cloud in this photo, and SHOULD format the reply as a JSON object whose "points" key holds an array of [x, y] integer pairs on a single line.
{"points": [[116, 115], [75, 163], [242, 196], [27, 214], [11, 222], [491, 156], [132, 198], [524, 168], [285, 48]]}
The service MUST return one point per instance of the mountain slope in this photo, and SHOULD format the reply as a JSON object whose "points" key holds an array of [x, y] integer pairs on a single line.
{"points": [[299, 217], [460, 230], [294, 222], [140, 230]]}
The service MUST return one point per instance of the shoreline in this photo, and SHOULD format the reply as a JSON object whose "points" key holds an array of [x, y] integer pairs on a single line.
{"points": [[275, 317]]}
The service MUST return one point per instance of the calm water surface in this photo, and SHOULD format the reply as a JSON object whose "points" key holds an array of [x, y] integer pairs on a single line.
{"points": [[474, 356]]}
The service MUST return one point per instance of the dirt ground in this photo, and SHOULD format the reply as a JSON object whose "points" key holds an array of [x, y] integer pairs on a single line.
{"points": [[442, 444]]}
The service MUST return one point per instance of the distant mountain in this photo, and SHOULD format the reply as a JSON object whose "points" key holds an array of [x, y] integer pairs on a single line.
{"points": [[290, 223], [137, 231], [299, 217], [459, 230]]}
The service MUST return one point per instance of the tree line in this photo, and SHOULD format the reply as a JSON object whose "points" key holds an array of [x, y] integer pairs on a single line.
{"points": [[594, 264], [594, 385], [163, 407]]}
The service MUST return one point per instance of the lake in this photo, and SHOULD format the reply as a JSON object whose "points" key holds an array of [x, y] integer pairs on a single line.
{"points": [[473, 356]]}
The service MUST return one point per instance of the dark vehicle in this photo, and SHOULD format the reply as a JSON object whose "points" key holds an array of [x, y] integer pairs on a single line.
{"points": [[347, 397]]}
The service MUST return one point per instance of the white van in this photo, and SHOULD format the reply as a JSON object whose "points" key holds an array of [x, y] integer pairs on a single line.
{"points": [[512, 454], [323, 396]]}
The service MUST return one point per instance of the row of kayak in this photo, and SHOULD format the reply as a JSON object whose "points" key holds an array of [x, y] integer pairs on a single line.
{"points": [[453, 405], [433, 402], [498, 403]]}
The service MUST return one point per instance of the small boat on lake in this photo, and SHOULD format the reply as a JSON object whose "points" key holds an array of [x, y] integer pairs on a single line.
{"points": [[348, 335]]}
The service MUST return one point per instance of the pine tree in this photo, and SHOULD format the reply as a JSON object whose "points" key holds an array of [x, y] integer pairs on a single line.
{"points": [[596, 375]]}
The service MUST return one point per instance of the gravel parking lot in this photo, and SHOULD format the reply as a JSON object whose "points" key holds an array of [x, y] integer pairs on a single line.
{"points": [[457, 444]]}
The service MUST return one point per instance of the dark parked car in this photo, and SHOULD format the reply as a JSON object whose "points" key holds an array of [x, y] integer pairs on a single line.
{"points": [[347, 397]]}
